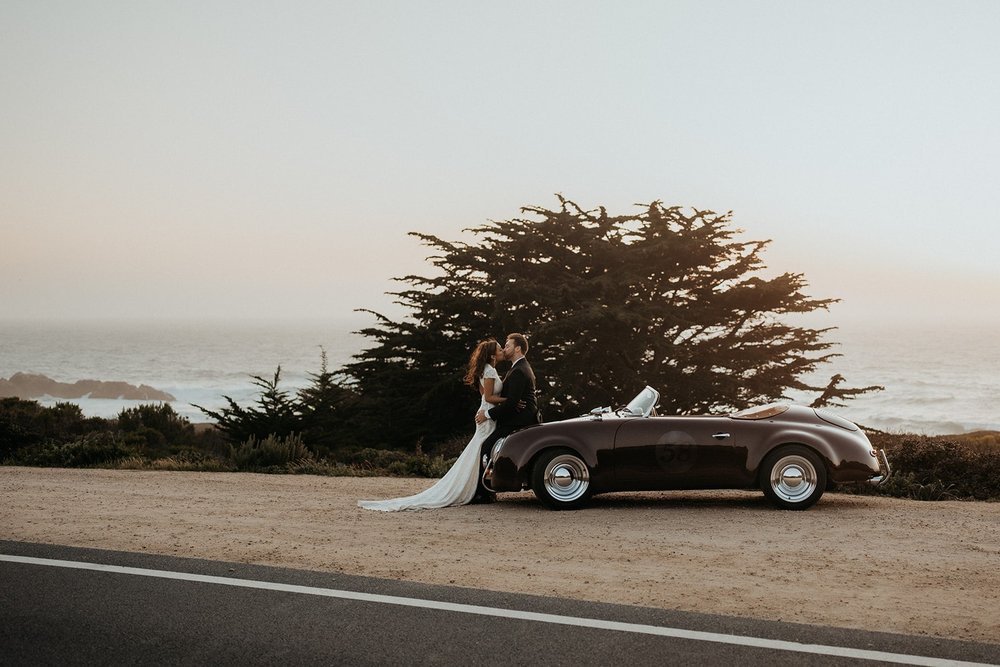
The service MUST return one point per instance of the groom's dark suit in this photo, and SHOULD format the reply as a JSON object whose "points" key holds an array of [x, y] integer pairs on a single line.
{"points": [[518, 389]]}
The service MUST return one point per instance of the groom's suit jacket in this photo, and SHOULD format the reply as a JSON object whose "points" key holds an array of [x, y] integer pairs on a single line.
{"points": [[519, 385]]}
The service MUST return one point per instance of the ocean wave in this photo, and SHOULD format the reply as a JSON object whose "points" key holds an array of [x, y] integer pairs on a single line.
{"points": [[933, 386]]}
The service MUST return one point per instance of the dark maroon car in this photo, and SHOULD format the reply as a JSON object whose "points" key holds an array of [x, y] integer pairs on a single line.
{"points": [[791, 452]]}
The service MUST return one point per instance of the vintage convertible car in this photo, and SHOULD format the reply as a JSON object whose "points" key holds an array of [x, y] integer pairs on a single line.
{"points": [[791, 452]]}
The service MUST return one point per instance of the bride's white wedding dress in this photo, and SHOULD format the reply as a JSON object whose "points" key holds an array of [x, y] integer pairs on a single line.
{"points": [[458, 486]]}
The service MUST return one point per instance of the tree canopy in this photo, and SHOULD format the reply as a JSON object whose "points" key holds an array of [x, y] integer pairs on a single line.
{"points": [[665, 296]]}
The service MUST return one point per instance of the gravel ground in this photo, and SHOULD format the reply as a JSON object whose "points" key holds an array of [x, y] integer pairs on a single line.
{"points": [[859, 562]]}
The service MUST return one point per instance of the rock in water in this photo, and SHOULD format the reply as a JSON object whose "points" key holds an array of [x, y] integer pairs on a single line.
{"points": [[27, 385]]}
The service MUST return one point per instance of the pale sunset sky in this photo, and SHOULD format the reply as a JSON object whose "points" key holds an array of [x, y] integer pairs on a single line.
{"points": [[195, 159]]}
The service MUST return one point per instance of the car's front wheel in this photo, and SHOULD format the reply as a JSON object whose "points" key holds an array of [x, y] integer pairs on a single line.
{"points": [[561, 480], [793, 477]]}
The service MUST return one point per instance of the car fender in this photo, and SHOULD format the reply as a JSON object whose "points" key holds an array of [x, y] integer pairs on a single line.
{"points": [[791, 436], [524, 447], [585, 449]]}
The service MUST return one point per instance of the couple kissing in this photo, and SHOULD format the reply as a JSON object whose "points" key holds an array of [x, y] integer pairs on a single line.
{"points": [[506, 405]]}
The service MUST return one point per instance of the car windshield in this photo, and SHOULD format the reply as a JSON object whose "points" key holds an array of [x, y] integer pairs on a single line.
{"points": [[760, 411], [643, 404]]}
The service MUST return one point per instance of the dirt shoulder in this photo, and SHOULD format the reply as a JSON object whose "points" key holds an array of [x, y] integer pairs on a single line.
{"points": [[857, 562]]}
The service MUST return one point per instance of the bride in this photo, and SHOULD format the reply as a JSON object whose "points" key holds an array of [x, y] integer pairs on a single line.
{"points": [[458, 486]]}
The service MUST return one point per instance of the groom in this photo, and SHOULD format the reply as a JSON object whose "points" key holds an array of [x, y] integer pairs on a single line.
{"points": [[519, 410]]}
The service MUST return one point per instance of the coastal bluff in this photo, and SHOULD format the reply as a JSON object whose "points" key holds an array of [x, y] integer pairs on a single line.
{"points": [[28, 386]]}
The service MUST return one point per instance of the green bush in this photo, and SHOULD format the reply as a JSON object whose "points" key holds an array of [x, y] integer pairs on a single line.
{"points": [[398, 464], [909, 485], [31, 432], [323, 414], [25, 423], [940, 468], [95, 449], [147, 440], [327, 468], [452, 448], [421, 466], [374, 458], [156, 429], [185, 460], [272, 454]]}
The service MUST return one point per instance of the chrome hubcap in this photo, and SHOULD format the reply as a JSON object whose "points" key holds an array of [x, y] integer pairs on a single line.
{"points": [[566, 478], [793, 478]]}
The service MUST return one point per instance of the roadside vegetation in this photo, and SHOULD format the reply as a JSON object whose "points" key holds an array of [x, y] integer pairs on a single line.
{"points": [[951, 467], [154, 437]]}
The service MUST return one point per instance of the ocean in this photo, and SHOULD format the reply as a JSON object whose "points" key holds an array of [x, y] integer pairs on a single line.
{"points": [[938, 380]]}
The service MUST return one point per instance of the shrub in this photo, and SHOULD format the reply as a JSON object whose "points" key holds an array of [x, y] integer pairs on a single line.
{"points": [[147, 440], [327, 468], [25, 423], [399, 464], [322, 414], [373, 458], [151, 430], [156, 428], [909, 485], [272, 454], [453, 447], [186, 460], [92, 450], [940, 468], [276, 413]]}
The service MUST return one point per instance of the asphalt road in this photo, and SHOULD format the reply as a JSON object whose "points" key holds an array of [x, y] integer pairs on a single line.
{"points": [[67, 606]]}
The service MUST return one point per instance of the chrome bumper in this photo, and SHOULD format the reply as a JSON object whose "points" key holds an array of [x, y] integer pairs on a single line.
{"points": [[884, 469], [487, 472]]}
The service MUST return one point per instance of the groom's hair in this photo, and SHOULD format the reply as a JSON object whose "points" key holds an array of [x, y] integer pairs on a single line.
{"points": [[519, 341]]}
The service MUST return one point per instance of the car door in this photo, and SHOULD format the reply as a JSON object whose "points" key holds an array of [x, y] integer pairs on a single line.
{"points": [[677, 453]]}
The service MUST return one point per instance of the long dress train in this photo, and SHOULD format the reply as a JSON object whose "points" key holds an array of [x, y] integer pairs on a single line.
{"points": [[458, 486]]}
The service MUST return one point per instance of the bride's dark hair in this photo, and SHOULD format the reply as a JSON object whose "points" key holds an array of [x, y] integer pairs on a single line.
{"points": [[481, 356]]}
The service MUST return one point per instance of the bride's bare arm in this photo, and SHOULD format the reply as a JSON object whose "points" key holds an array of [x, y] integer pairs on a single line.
{"points": [[488, 385]]}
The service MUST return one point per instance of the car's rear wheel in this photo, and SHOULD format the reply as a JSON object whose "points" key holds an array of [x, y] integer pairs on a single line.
{"points": [[561, 480], [793, 477]]}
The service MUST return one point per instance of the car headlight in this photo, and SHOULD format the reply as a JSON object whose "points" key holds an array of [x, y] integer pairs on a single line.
{"points": [[496, 449]]}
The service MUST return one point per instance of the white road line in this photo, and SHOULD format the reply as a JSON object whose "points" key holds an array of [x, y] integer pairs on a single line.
{"points": [[773, 644]]}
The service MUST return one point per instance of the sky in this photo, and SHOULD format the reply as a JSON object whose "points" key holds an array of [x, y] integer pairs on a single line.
{"points": [[203, 159]]}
